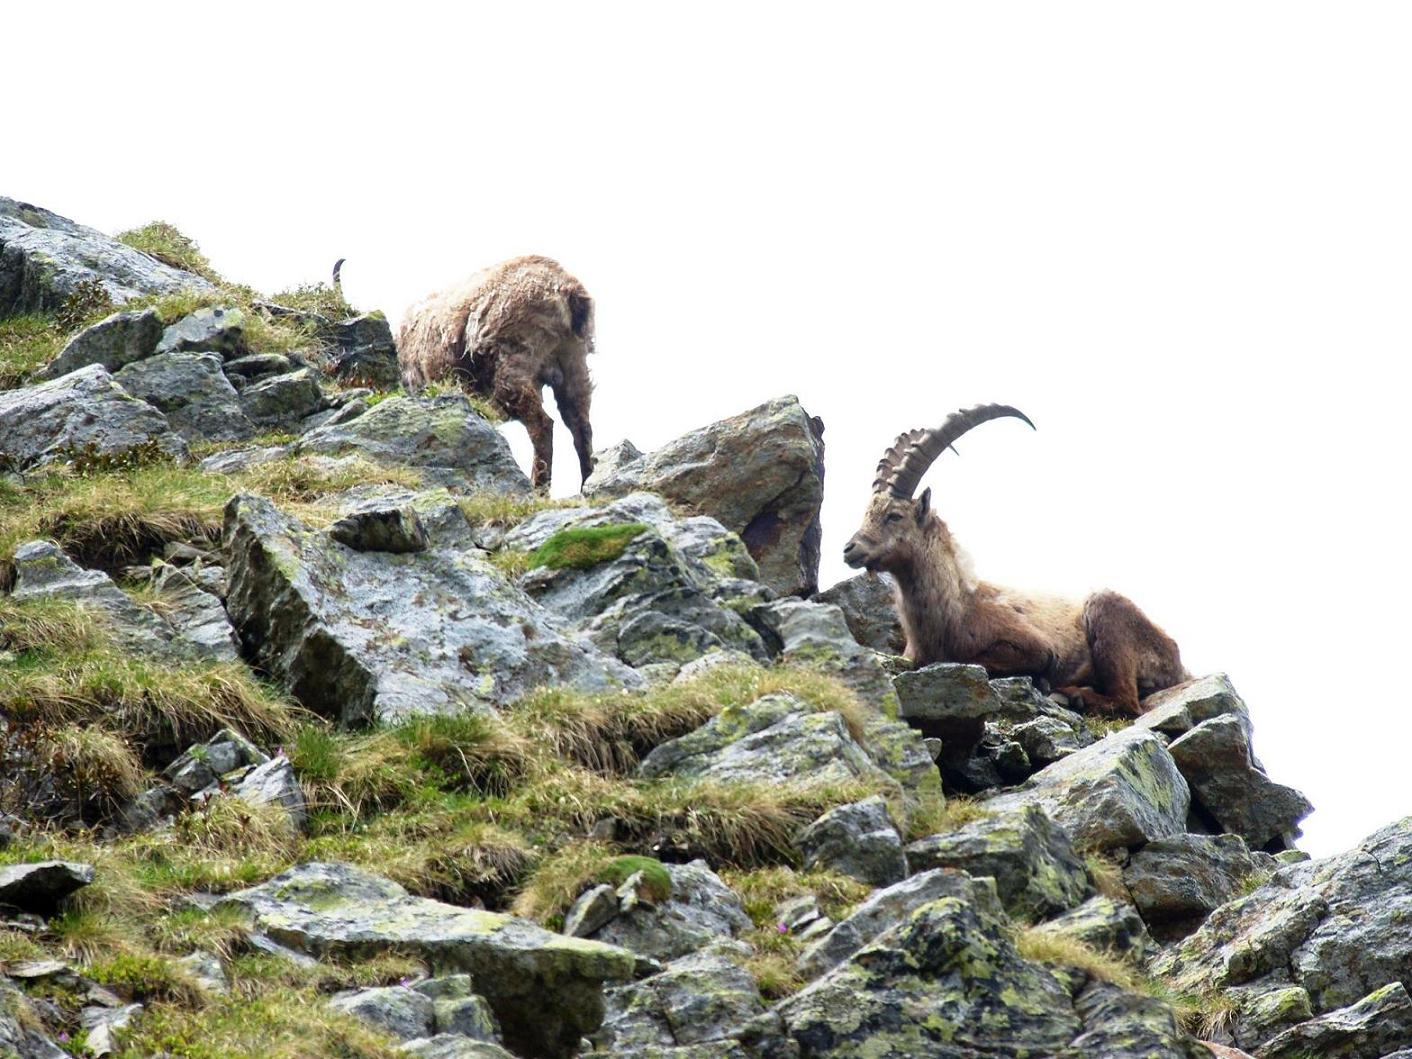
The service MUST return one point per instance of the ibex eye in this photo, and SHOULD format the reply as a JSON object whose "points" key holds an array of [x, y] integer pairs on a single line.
{"points": [[893, 516]]}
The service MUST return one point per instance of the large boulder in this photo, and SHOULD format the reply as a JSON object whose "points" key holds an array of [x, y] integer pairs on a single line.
{"points": [[84, 413], [1121, 792], [545, 989], [706, 997], [1333, 930], [698, 910], [193, 392], [1365, 1030], [1176, 882], [363, 352], [44, 258], [368, 636], [1228, 783], [112, 342], [1032, 861], [441, 436], [40, 886], [868, 606], [775, 739], [760, 474], [859, 839], [946, 980]]}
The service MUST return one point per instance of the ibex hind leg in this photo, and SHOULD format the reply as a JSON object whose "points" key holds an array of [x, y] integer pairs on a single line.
{"points": [[1130, 654]]}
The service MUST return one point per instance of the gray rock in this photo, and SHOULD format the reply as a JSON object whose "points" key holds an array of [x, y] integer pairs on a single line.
{"points": [[760, 474], [1226, 781], [100, 1022], [546, 989], [402, 1012], [282, 400], [389, 528], [457, 1009], [1123, 1025], [274, 783], [213, 329], [1364, 1030], [815, 634], [701, 909], [943, 981], [196, 615], [949, 702], [84, 412], [1120, 792], [364, 353], [1104, 924], [233, 461], [44, 258], [859, 839], [453, 1046], [112, 342], [442, 436], [192, 391], [703, 997], [1176, 882], [241, 370], [40, 886], [867, 604], [205, 763], [206, 971], [775, 739], [1334, 927], [43, 571], [889, 907], [1032, 861], [593, 909], [649, 604], [1178, 710], [377, 635], [1046, 740]]}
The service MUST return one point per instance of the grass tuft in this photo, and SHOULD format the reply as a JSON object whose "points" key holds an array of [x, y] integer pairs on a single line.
{"points": [[318, 298], [27, 343], [168, 245], [1040, 946]]}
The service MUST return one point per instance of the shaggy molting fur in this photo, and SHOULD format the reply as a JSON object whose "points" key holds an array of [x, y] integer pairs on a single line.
{"points": [[506, 333]]}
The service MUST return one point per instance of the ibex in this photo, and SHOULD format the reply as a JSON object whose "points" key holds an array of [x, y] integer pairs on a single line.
{"points": [[506, 333], [1103, 651]]}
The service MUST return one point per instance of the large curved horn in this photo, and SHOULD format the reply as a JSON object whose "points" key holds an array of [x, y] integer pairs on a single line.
{"points": [[903, 465]]}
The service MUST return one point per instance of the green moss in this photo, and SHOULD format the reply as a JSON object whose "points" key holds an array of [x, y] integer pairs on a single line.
{"points": [[168, 245], [657, 883], [584, 547]]}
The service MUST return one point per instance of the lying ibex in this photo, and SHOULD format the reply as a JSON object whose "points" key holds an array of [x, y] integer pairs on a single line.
{"points": [[506, 333], [1104, 650]]}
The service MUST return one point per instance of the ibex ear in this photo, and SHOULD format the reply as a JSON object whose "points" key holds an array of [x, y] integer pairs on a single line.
{"points": [[924, 504]]}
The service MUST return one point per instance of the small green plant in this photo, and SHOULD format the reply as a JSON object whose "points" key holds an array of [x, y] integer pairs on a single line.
{"points": [[584, 547], [937, 818], [87, 302], [168, 245], [657, 882]]}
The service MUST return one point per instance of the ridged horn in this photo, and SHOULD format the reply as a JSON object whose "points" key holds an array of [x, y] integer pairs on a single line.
{"points": [[902, 466]]}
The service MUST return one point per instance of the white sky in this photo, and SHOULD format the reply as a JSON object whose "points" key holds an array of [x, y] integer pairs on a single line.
{"points": [[1176, 235]]}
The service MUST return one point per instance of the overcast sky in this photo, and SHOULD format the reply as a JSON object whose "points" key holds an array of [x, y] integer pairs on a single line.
{"points": [[1178, 236]]}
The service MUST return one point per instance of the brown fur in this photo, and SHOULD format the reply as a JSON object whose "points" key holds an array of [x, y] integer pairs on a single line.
{"points": [[506, 333], [1103, 650]]}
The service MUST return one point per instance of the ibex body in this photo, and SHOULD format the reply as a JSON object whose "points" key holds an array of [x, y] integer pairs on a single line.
{"points": [[1102, 649], [506, 333]]}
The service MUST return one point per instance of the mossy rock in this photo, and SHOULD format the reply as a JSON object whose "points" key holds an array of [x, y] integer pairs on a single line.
{"points": [[657, 882], [585, 547]]}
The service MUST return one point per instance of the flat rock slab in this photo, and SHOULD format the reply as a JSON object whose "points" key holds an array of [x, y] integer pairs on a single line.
{"points": [[702, 997], [760, 474], [545, 989], [1177, 710], [949, 702], [1365, 1030], [44, 258], [40, 886], [83, 412], [1121, 792], [377, 635], [1176, 882]]}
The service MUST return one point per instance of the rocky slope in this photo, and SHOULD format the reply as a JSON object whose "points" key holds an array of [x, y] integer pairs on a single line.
{"points": [[324, 736]]}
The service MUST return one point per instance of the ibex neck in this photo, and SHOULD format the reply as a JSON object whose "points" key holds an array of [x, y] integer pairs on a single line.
{"points": [[936, 592]]}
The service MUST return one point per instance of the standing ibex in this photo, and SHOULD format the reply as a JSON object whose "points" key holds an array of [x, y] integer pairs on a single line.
{"points": [[1104, 650], [506, 333]]}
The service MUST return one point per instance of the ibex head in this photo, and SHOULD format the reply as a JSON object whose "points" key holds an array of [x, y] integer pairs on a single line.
{"points": [[891, 536]]}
